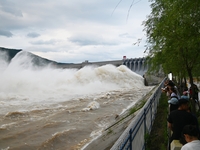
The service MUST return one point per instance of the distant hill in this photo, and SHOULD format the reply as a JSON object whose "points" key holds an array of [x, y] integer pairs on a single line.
{"points": [[10, 52], [37, 60]]}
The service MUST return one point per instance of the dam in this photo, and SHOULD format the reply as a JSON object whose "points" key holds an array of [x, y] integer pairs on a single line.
{"points": [[137, 65]]}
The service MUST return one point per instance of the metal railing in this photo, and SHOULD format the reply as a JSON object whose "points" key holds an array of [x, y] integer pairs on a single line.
{"points": [[134, 137]]}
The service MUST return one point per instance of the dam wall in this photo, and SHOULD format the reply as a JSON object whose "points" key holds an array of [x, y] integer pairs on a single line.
{"points": [[87, 63], [137, 65]]}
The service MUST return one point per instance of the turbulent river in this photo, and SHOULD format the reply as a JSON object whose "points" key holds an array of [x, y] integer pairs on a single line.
{"points": [[61, 109]]}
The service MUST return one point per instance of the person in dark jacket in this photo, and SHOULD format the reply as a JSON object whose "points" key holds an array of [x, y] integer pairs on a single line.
{"points": [[179, 118]]}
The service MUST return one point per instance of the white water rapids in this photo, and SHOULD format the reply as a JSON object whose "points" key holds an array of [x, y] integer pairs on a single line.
{"points": [[49, 108]]}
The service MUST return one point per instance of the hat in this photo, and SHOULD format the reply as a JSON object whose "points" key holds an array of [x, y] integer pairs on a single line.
{"points": [[173, 101], [190, 130], [183, 101], [185, 97]]}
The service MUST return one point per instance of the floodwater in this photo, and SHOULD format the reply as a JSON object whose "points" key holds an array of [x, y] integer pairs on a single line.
{"points": [[61, 109]]}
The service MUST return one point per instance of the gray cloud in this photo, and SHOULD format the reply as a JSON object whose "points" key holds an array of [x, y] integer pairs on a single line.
{"points": [[33, 35], [11, 8], [55, 14], [92, 40], [127, 35], [67, 26], [5, 33], [44, 42]]}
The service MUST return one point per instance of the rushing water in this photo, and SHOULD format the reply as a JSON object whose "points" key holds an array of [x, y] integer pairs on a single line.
{"points": [[48, 108]]}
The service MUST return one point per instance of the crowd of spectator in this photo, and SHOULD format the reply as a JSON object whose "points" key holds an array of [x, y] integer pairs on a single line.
{"points": [[182, 123]]}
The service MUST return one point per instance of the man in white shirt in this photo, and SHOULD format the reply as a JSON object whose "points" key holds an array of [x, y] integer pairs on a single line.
{"points": [[191, 135]]}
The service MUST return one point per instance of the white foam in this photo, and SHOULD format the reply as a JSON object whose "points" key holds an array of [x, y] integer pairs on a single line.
{"points": [[91, 106], [24, 86], [6, 148]]}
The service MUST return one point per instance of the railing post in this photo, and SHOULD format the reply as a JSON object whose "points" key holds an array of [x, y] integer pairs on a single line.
{"points": [[130, 138], [151, 102], [144, 126]]}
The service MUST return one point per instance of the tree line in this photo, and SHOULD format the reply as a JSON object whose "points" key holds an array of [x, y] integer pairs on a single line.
{"points": [[173, 38]]}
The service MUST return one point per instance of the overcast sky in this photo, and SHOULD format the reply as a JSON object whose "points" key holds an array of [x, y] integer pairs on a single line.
{"points": [[73, 31]]}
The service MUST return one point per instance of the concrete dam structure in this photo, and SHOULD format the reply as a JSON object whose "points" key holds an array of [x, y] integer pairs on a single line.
{"points": [[137, 65]]}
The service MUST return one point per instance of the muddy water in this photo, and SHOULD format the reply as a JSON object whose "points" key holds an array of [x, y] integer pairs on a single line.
{"points": [[67, 127], [61, 109]]}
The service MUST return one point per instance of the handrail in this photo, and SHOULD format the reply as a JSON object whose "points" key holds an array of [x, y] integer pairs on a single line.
{"points": [[134, 135]]}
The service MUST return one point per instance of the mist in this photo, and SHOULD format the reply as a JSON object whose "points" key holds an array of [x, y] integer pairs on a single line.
{"points": [[25, 85]]}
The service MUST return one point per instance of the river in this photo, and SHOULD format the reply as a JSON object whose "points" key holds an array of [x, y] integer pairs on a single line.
{"points": [[61, 109]]}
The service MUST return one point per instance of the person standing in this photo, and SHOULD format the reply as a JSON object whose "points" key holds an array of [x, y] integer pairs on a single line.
{"points": [[173, 104], [196, 92], [191, 135], [179, 118]]}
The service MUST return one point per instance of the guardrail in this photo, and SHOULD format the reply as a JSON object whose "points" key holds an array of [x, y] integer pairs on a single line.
{"points": [[134, 137]]}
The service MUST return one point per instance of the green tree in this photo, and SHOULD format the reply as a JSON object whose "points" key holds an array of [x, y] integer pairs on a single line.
{"points": [[173, 37]]}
